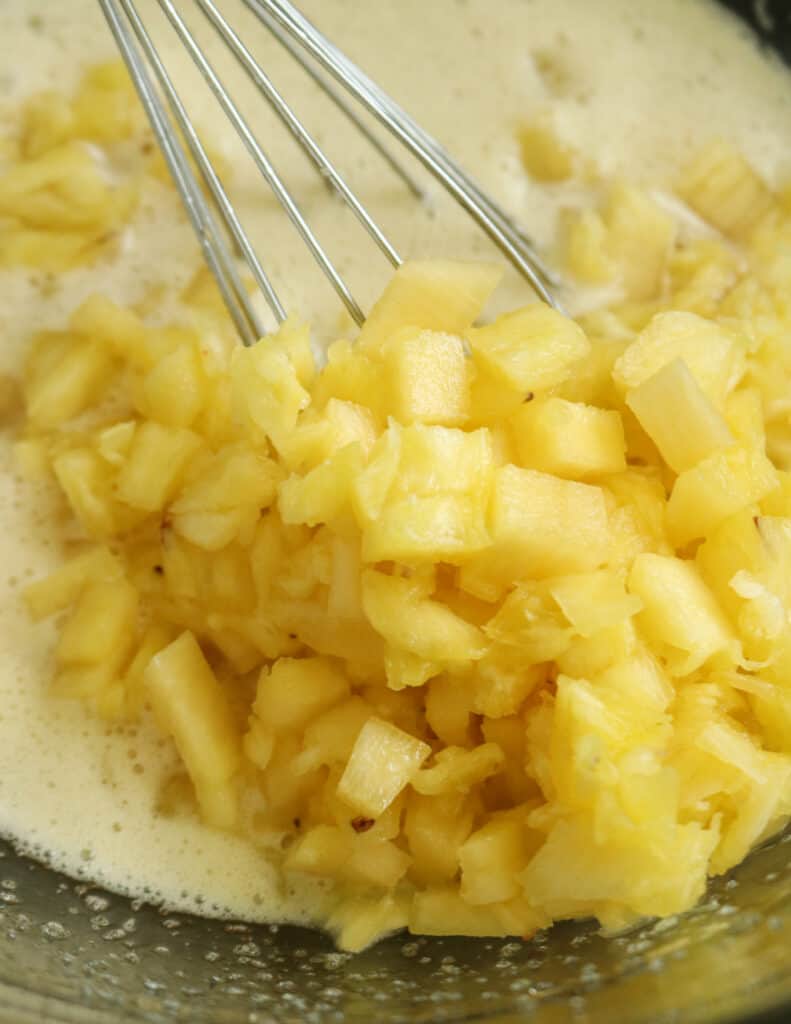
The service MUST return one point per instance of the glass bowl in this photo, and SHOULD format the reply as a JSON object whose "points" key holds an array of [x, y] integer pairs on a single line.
{"points": [[70, 952]]}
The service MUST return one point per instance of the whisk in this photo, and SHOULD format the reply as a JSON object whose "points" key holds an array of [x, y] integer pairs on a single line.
{"points": [[216, 222]]}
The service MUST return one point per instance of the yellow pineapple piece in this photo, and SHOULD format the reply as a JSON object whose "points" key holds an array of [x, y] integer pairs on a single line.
{"points": [[175, 390], [680, 617], [358, 923], [323, 494], [530, 349], [546, 157], [48, 121], [432, 295], [295, 690], [678, 416], [569, 439], [490, 399], [63, 586], [640, 238], [724, 189], [531, 621], [384, 760], [86, 481], [102, 625], [492, 857], [329, 738], [457, 770], [716, 488], [710, 354], [441, 910], [350, 375], [106, 108], [156, 463], [64, 381], [584, 251], [224, 496], [120, 328], [428, 378], [192, 707], [435, 828], [594, 601], [423, 494], [418, 625], [745, 416], [449, 703], [543, 526], [622, 880], [267, 392]]}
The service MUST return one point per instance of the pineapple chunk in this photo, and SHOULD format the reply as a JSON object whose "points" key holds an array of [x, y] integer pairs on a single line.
{"points": [[423, 495], [531, 349], [435, 828], [583, 247], [678, 416], [102, 625], [718, 487], [324, 494], [544, 526], [174, 390], [545, 156], [680, 615], [594, 601], [569, 439], [722, 187], [428, 378], [442, 911], [457, 770], [418, 625], [267, 392], [640, 237], [614, 875], [492, 857], [710, 354], [192, 707], [67, 380], [296, 690], [157, 460], [224, 496], [430, 295], [383, 762], [62, 587], [85, 480]]}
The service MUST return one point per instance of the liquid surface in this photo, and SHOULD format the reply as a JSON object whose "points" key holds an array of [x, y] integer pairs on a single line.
{"points": [[635, 87]]}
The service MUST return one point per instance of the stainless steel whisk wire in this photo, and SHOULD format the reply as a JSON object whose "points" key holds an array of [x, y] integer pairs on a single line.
{"points": [[305, 43]]}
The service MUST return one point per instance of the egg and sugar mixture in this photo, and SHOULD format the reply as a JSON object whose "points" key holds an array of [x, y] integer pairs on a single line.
{"points": [[478, 623]]}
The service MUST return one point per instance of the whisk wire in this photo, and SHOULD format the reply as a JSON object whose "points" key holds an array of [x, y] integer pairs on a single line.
{"points": [[307, 45], [325, 167], [262, 161], [210, 176], [422, 145], [213, 245]]}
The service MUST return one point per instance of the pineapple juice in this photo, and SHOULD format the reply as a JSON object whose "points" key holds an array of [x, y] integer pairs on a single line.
{"points": [[634, 88]]}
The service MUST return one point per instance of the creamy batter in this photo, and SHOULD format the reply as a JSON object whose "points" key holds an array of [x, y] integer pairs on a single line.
{"points": [[634, 86]]}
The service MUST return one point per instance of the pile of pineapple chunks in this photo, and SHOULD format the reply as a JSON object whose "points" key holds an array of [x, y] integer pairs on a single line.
{"points": [[487, 624]]}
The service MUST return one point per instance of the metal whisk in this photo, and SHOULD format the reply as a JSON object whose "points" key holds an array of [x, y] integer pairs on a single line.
{"points": [[217, 224]]}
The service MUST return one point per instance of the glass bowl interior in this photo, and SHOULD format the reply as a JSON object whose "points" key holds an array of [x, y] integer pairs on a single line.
{"points": [[71, 952]]}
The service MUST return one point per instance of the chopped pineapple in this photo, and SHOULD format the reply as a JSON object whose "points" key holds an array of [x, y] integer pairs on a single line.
{"points": [[483, 624], [430, 295], [193, 708], [529, 350], [678, 417], [569, 439], [383, 761]]}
